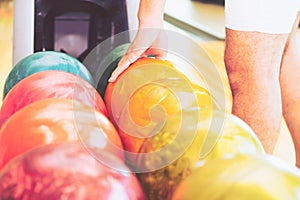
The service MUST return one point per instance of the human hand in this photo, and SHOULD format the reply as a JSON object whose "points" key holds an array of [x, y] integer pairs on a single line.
{"points": [[148, 42]]}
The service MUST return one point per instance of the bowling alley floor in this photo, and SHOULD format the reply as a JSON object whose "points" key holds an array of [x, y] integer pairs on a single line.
{"points": [[214, 49]]}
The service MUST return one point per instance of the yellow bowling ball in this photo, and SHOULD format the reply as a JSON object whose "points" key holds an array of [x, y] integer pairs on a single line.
{"points": [[185, 140], [241, 177]]}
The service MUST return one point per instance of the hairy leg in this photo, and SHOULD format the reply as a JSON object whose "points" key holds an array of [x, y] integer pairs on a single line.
{"points": [[252, 62], [290, 87]]}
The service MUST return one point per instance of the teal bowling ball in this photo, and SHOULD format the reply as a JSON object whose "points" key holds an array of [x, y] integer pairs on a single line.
{"points": [[42, 61]]}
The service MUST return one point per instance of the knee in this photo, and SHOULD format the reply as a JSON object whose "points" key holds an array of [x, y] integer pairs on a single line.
{"points": [[245, 80], [253, 67]]}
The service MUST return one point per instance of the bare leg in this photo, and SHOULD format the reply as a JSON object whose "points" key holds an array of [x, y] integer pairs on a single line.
{"points": [[290, 87], [252, 62]]}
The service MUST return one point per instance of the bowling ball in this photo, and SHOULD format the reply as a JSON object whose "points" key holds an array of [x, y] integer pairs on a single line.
{"points": [[184, 141], [55, 120], [241, 177], [42, 61], [135, 80], [154, 102], [140, 72], [68, 171], [50, 84]]}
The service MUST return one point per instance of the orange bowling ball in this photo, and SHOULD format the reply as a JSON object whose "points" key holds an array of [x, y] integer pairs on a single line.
{"points": [[149, 91], [138, 73], [50, 84], [56, 120], [153, 103]]}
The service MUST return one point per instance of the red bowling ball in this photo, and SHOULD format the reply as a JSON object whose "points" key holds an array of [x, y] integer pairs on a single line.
{"points": [[68, 171], [50, 84]]}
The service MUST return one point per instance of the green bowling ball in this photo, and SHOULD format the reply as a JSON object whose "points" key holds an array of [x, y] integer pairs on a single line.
{"points": [[109, 63], [42, 61]]}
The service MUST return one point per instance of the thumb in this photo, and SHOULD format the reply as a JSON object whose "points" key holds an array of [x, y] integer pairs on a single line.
{"points": [[127, 59]]}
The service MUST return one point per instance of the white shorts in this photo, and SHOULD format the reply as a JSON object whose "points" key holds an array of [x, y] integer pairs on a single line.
{"points": [[267, 16]]}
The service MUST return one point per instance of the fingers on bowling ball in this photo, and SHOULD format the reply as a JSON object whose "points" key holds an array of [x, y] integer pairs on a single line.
{"points": [[50, 84], [42, 61], [68, 171], [147, 70], [56, 120]]}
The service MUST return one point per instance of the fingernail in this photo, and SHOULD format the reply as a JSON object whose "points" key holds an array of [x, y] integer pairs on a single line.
{"points": [[111, 79]]}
